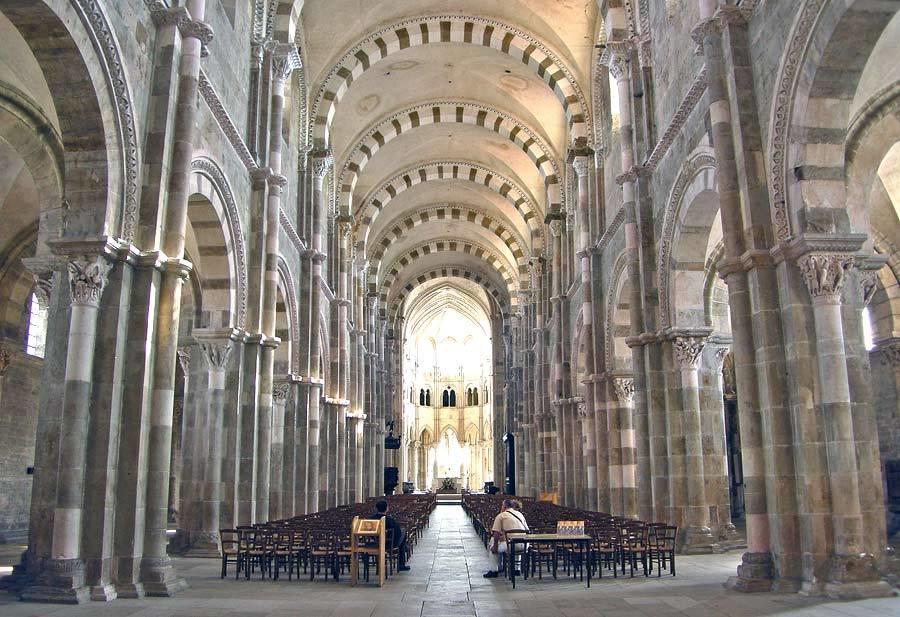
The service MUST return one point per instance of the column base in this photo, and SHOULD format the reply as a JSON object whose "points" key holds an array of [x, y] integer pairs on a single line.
{"points": [[131, 591], [204, 545], [698, 541], [753, 575], [61, 581], [854, 577], [104, 593], [159, 577]]}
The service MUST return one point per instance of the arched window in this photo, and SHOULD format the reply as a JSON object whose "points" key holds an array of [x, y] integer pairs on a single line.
{"points": [[868, 339], [475, 396], [452, 398], [428, 397], [37, 328], [445, 399], [468, 396], [485, 396], [422, 397]]}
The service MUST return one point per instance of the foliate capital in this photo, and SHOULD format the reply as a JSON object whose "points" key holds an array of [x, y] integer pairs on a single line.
{"points": [[88, 279], [581, 165], [617, 57], [825, 274], [285, 60], [216, 353], [624, 387], [556, 227], [721, 354], [688, 350]]}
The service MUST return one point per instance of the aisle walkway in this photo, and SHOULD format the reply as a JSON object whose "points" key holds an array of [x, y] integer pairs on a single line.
{"points": [[446, 580]]}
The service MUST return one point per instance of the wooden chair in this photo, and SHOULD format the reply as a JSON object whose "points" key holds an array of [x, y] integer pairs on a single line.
{"points": [[231, 549], [662, 548]]}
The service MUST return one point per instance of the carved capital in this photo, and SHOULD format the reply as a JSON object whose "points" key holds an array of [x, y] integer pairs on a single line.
{"points": [[216, 353], [721, 353], [624, 387], [196, 29], [582, 411], [285, 60], [617, 57], [581, 166], [277, 181], [688, 350], [825, 274], [890, 353], [280, 391], [88, 279], [43, 286], [4, 361], [322, 161], [556, 227], [184, 359], [868, 285]]}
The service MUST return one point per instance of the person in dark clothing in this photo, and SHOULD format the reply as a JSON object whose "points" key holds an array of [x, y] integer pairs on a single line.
{"points": [[397, 534]]}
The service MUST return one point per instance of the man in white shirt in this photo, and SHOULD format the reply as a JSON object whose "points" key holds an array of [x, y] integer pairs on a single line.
{"points": [[509, 519]]}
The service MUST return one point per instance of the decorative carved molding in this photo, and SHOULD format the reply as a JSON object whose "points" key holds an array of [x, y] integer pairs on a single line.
{"points": [[825, 274], [890, 353], [233, 218], [216, 353], [99, 29], [611, 230], [688, 350], [693, 96], [624, 387], [782, 110], [225, 123], [43, 287], [88, 279], [721, 353]]}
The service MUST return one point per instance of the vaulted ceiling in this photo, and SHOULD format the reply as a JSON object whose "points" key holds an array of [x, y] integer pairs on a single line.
{"points": [[449, 131]]}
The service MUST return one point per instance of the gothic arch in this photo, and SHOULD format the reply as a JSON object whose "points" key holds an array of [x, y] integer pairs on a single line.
{"points": [[376, 201], [458, 112], [400, 228], [449, 272], [451, 246], [469, 30]]}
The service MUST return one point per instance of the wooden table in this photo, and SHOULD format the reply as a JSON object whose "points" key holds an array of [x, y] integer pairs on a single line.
{"points": [[583, 542]]}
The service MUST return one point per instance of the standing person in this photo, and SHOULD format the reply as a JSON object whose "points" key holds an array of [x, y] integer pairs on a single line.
{"points": [[398, 537], [509, 519]]}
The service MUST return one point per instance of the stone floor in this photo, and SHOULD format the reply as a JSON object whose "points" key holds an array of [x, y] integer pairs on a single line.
{"points": [[446, 581]]}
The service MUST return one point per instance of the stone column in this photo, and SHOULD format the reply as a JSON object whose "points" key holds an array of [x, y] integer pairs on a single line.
{"points": [[313, 455], [629, 470], [157, 572], [293, 498], [853, 572], [556, 368], [204, 542], [715, 456], [698, 537], [176, 461], [62, 578], [764, 416], [354, 455], [280, 392]]}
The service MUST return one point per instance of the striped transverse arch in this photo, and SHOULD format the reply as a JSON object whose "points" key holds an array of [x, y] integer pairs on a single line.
{"points": [[518, 44], [442, 246], [411, 283], [450, 212], [450, 112], [448, 170]]}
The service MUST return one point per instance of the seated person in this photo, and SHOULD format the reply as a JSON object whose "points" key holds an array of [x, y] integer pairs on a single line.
{"points": [[509, 519], [397, 536]]}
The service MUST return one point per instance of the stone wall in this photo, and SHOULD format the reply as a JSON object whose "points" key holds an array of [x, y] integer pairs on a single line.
{"points": [[18, 422]]}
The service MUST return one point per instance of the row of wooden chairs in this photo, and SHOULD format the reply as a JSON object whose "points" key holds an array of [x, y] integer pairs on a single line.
{"points": [[317, 543], [616, 542]]}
